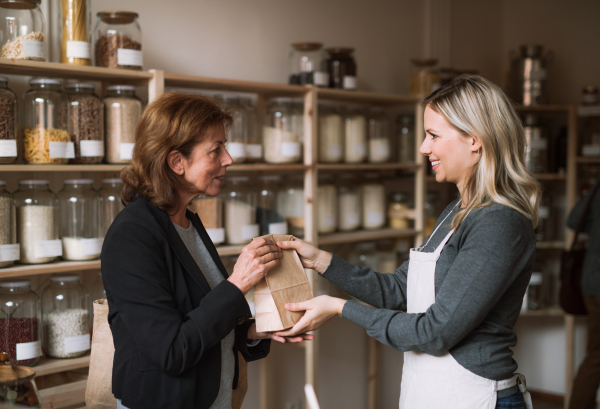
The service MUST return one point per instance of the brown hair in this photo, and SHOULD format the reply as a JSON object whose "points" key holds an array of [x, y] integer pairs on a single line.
{"points": [[174, 121]]}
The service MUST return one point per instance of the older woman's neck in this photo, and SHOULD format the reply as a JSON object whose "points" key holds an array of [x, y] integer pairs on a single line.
{"points": [[179, 216]]}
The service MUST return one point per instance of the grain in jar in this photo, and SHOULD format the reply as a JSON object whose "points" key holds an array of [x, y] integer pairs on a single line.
{"points": [[398, 211], [9, 249], [349, 203], [373, 202], [22, 30], [118, 40], [9, 128], [210, 212], [355, 127], [378, 130], [76, 33], [290, 204], [281, 142], [110, 201], [327, 205], [268, 216], [237, 133], [85, 123], [331, 134], [406, 138], [254, 147], [122, 112], [240, 211]]}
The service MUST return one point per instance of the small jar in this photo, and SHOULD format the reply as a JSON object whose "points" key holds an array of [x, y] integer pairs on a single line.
{"points": [[589, 96], [327, 205], [110, 201], [240, 211], [307, 65], [406, 138], [349, 213], [534, 296], [37, 226], [536, 151], [341, 68], [9, 123], [9, 250], [281, 142], [365, 254], [118, 40], [373, 202], [76, 33], [268, 216], [378, 129], [20, 327], [85, 123], [23, 30], [424, 79], [290, 204], [355, 150], [122, 112], [237, 133], [17, 384], [79, 218], [45, 135], [331, 134], [254, 148], [210, 212], [398, 211], [66, 318]]}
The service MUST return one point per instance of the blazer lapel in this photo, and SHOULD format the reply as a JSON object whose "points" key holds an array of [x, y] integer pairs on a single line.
{"points": [[207, 242]]}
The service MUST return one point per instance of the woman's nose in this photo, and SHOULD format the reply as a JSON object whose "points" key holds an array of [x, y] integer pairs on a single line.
{"points": [[425, 148]]}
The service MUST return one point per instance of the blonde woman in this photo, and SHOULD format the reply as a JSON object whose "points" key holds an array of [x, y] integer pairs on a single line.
{"points": [[463, 288]]}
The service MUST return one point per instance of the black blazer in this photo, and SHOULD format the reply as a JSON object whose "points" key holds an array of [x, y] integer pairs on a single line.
{"points": [[167, 323]]}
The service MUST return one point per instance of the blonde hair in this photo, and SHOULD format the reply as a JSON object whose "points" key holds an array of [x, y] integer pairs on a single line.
{"points": [[478, 108]]}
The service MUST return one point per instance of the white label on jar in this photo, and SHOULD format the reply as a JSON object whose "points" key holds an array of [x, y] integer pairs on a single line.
{"points": [[48, 248], [236, 149], [334, 151], [91, 149], [90, 247], [349, 82], [360, 150], [278, 228], [320, 79], [589, 111], [129, 57], [375, 219], [538, 144], [10, 252], [250, 231], [34, 49], [8, 148], [328, 221], [590, 150], [254, 150], [216, 235], [62, 150], [77, 344], [379, 150], [78, 49], [290, 149], [126, 151], [351, 219], [29, 350], [543, 212]]}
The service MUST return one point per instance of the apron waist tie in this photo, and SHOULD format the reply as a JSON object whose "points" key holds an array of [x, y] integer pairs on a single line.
{"points": [[517, 380]]}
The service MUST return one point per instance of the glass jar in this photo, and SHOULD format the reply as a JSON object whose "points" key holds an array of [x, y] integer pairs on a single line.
{"points": [[9, 250], [431, 214], [37, 222], [240, 211], [122, 112], [281, 142], [424, 79], [45, 135], [331, 134], [327, 205], [66, 318], [85, 123], [23, 30], [254, 149], [341, 68], [76, 36], [406, 138], [398, 211], [349, 203], [534, 296], [307, 65], [589, 123], [355, 149], [268, 216], [373, 202], [378, 131], [236, 134], [210, 212], [118, 40], [79, 218], [9, 123], [290, 204], [536, 151], [543, 231], [20, 329], [365, 254], [110, 200], [17, 385]]}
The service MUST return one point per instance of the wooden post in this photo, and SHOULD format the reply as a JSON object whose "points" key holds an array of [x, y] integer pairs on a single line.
{"points": [[571, 190], [373, 375], [569, 356], [420, 178], [156, 86]]}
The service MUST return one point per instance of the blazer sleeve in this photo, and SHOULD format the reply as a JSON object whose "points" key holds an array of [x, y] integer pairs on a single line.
{"points": [[259, 351]]}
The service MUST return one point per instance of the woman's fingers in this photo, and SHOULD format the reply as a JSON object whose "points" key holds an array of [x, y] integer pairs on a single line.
{"points": [[297, 306], [286, 245], [267, 249], [301, 327]]}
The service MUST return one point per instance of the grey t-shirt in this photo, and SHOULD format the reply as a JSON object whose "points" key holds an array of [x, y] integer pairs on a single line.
{"points": [[480, 280]]}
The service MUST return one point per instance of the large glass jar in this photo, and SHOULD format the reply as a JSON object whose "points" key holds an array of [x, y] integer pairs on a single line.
{"points": [[373, 202], [349, 203], [341, 68], [17, 385], [307, 65], [118, 40], [268, 216], [254, 148], [37, 222], [331, 133], [76, 35], [290, 204], [20, 329], [22, 30], [9, 250], [424, 79], [65, 313], [210, 212], [110, 200], [536, 151], [378, 130], [240, 211], [588, 125], [406, 138], [237, 133], [327, 205], [85, 123], [281, 142], [9, 125], [79, 218], [45, 135], [355, 150], [365, 254], [122, 112], [398, 211]]}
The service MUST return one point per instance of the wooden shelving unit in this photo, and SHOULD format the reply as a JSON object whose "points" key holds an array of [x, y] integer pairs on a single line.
{"points": [[366, 235]]}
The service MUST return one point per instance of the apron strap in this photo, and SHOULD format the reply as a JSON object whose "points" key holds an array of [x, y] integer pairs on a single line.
{"points": [[439, 248]]}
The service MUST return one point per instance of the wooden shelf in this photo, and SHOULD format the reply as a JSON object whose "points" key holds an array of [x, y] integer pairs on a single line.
{"points": [[218, 84], [20, 270], [367, 166], [49, 366], [550, 245], [550, 176], [545, 108], [365, 97], [259, 167], [230, 250], [61, 168], [585, 159], [546, 312], [365, 235]]}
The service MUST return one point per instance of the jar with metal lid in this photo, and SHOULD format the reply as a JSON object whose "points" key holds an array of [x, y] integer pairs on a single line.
{"points": [[45, 135], [85, 123], [398, 211], [254, 148], [281, 142], [341, 68], [268, 216], [210, 212], [122, 112], [327, 205], [22, 30], [237, 133], [290, 204], [528, 75], [65, 313], [76, 19], [349, 202], [373, 202], [355, 135], [37, 222], [118, 40], [20, 326], [17, 385], [536, 151], [240, 210], [378, 130], [406, 138], [79, 218], [424, 79], [307, 65], [331, 133], [9, 249], [9, 123], [110, 201]]}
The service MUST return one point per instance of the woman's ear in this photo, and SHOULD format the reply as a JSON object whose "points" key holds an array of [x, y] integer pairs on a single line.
{"points": [[175, 162], [475, 145]]}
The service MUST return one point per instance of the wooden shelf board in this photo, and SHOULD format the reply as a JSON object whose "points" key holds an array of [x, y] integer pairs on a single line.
{"points": [[258, 167], [550, 176], [585, 159], [230, 250], [365, 235], [365, 97], [49, 366], [550, 245], [545, 108], [219, 84], [367, 166], [61, 168], [56, 267], [546, 312]]}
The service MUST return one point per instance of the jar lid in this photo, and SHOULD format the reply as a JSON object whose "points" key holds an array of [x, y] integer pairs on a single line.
{"points": [[117, 17], [536, 279], [33, 182], [48, 81], [78, 181], [80, 85], [20, 4], [112, 180], [307, 46], [339, 50], [64, 278], [15, 373], [15, 284], [120, 88]]}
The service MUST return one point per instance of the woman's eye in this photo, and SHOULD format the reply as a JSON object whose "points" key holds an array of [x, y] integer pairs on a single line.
{"points": [[433, 136], [217, 150]]}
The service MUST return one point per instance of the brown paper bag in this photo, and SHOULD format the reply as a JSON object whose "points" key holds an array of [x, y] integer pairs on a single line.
{"points": [[98, 393], [239, 393], [283, 284]]}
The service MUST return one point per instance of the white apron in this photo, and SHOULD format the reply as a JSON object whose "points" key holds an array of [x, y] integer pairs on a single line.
{"points": [[440, 382]]}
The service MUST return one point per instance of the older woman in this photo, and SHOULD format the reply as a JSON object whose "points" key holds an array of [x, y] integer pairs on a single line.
{"points": [[178, 320]]}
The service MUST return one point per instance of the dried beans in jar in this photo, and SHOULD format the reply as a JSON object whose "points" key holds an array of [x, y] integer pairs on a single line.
{"points": [[118, 40], [85, 123]]}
